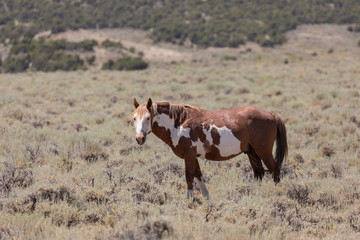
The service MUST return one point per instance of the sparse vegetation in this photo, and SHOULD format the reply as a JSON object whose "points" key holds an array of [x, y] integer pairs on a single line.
{"points": [[71, 169]]}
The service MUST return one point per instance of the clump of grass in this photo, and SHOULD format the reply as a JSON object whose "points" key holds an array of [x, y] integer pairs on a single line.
{"points": [[156, 229], [93, 156], [30, 202], [23, 205], [57, 194], [229, 58], [327, 150], [175, 169], [240, 191], [300, 193], [65, 215], [328, 200], [299, 158], [354, 220], [15, 177], [98, 197], [16, 113], [337, 171]]}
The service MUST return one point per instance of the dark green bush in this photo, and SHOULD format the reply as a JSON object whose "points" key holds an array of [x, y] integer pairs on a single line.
{"points": [[90, 60], [14, 64], [64, 62], [230, 58], [87, 45], [4, 18], [108, 65], [46, 56], [110, 44], [125, 63]]}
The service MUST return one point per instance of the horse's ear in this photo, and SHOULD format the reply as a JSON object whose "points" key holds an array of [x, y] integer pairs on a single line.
{"points": [[149, 104], [136, 104]]}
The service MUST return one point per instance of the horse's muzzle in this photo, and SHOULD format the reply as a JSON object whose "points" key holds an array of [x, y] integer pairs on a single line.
{"points": [[140, 139]]}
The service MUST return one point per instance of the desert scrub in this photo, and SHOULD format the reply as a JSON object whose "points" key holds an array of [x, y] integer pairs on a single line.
{"points": [[46, 56], [13, 176], [110, 44], [125, 63], [90, 179]]}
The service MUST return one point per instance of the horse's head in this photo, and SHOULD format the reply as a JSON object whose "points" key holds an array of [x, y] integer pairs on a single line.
{"points": [[142, 120]]}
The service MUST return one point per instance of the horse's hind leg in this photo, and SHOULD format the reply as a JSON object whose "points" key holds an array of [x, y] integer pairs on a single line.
{"points": [[200, 180], [270, 163], [256, 164]]}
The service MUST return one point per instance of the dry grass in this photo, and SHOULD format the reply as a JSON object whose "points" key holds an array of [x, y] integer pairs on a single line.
{"points": [[70, 168]]}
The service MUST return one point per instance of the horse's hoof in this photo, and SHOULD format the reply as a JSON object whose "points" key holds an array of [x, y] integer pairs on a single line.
{"points": [[207, 197], [190, 194]]}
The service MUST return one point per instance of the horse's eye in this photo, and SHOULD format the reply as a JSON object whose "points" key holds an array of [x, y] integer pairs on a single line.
{"points": [[134, 119], [148, 118]]}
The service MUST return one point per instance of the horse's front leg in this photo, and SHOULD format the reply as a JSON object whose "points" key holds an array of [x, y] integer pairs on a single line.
{"points": [[200, 180], [190, 164]]}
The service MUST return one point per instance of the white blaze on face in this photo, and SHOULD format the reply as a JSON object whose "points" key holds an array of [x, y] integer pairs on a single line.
{"points": [[143, 124]]}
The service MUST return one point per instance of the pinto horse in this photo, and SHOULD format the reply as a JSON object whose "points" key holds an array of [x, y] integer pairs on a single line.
{"points": [[192, 132]]}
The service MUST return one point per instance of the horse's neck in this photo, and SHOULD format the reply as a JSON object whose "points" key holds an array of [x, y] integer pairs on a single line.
{"points": [[164, 128], [164, 121]]}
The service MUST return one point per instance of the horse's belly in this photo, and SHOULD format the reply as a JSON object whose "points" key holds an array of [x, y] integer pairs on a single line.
{"points": [[220, 146]]}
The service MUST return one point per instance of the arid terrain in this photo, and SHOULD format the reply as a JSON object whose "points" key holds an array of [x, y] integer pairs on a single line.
{"points": [[70, 167]]}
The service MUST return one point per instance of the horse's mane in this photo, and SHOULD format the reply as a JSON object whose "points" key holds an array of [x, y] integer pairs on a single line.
{"points": [[176, 111]]}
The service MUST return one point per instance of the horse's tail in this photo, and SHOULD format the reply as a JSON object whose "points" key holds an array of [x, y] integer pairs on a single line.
{"points": [[281, 146]]}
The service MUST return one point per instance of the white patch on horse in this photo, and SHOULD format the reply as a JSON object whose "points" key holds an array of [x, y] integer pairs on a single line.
{"points": [[229, 144], [200, 149], [164, 120]]}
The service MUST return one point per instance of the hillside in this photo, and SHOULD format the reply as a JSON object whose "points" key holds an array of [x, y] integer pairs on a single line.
{"points": [[201, 23]]}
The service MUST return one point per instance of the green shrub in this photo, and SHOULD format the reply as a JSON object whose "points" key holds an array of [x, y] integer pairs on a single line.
{"points": [[125, 63], [230, 58], [64, 62], [357, 28], [87, 45], [108, 65], [90, 60], [110, 44], [46, 56], [14, 64]]}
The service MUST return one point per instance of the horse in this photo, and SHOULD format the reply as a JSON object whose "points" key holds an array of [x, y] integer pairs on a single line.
{"points": [[192, 133]]}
